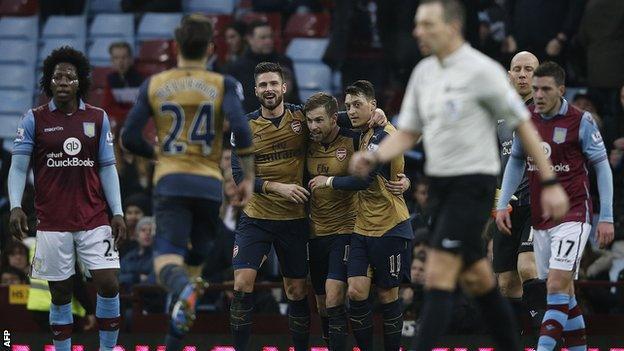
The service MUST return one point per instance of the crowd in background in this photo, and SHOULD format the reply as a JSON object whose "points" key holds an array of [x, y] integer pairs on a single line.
{"points": [[371, 40]]}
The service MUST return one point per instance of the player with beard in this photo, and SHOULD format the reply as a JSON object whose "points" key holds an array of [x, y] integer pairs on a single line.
{"points": [[276, 214]]}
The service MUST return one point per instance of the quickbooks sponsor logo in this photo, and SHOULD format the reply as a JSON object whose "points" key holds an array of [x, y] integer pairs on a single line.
{"points": [[70, 162], [561, 167]]}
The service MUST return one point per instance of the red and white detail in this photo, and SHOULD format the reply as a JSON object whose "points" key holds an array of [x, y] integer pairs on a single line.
{"points": [[296, 126], [341, 154]]}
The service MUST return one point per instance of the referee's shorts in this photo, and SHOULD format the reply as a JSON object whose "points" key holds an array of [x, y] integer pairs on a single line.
{"points": [[461, 206]]}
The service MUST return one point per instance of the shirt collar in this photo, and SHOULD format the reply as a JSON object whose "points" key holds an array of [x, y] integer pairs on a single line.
{"points": [[52, 105], [562, 110], [456, 56]]}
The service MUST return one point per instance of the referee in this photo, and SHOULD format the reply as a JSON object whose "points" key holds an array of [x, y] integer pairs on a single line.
{"points": [[458, 123]]}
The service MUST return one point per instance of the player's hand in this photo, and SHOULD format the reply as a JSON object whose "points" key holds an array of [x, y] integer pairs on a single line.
{"points": [[18, 223], [503, 221], [555, 203], [118, 224], [243, 194], [90, 323], [399, 186], [320, 181], [362, 163], [604, 233], [378, 119], [292, 192]]}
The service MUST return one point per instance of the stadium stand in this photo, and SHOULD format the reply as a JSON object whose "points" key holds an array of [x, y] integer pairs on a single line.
{"points": [[18, 7], [65, 27], [112, 26], [22, 28], [307, 25], [98, 50], [158, 26], [224, 7], [18, 52]]}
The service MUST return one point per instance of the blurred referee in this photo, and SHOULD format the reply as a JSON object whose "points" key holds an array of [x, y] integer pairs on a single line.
{"points": [[454, 99]]}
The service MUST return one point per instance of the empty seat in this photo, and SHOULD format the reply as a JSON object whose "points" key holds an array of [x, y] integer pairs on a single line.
{"points": [[98, 51], [18, 7], [212, 6], [105, 6], [18, 52], [304, 94], [65, 27], [14, 105], [307, 25], [23, 28], [50, 44], [95, 97], [313, 76], [158, 25], [112, 25], [17, 77], [147, 69], [157, 51], [307, 49]]}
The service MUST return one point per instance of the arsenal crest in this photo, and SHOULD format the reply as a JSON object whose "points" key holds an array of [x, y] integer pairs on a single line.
{"points": [[296, 126], [341, 154], [89, 129]]}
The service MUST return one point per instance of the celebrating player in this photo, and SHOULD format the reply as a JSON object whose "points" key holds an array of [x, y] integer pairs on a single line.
{"points": [[458, 123], [571, 140], [189, 105], [513, 259], [333, 208], [76, 183]]}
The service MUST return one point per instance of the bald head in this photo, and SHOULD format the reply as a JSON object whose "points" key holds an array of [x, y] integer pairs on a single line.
{"points": [[521, 72]]}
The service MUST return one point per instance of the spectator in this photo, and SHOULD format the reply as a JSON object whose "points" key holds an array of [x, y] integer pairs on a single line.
{"points": [[137, 266], [136, 207], [419, 209], [542, 27], [261, 48], [16, 256], [235, 41], [122, 85], [601, 33], [12, 276]]}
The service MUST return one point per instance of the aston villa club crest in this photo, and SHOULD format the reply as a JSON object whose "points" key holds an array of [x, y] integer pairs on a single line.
{"points": [[89, 129], [341, 154], [296, 127], [559, 135]]}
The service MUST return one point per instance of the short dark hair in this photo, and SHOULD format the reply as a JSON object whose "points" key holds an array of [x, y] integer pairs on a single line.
{"points": [[238, 26], [363, 87], [120, 45], [66, 54], [551, 69], [266, 67], [453, 10], [251, 27], [321, 99], [193, 36]]}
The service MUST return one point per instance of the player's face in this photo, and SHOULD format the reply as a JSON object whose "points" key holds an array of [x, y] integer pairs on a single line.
{"points": [[431, 31], [261, 40], [64, 83], [270, 89], [359, 109], [121, 59], [546, 94], [521, 73], [320, 124]]}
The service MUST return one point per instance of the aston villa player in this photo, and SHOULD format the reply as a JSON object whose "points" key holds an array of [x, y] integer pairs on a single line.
{"points": [[76, 183]]}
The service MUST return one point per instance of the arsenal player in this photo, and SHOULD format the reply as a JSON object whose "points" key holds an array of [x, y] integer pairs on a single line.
{"points": [[572, 142], [71, 148]]}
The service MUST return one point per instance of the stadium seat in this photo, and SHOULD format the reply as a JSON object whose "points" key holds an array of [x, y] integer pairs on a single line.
{"points": [[307, 25], [95, 97], [22, 28], [148, 68], [313, 76], [158, 25], [17, 77], [307, 49], [163, 51], [98, 76], [18, 7], [98, 51], [65, 27], [304, 94], [14, 105], [112, 25], [104, 6], [214, 6], [51, 44], [18, 52]]}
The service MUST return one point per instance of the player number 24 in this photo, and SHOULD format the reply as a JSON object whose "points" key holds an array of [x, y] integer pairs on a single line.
{"points": [[201, 130]]}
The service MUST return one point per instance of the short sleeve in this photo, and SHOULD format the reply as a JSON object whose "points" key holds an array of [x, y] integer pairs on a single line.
{"points": [[106, 156], [24, 141], [591, 140], [409, 119], [500, 98]]}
